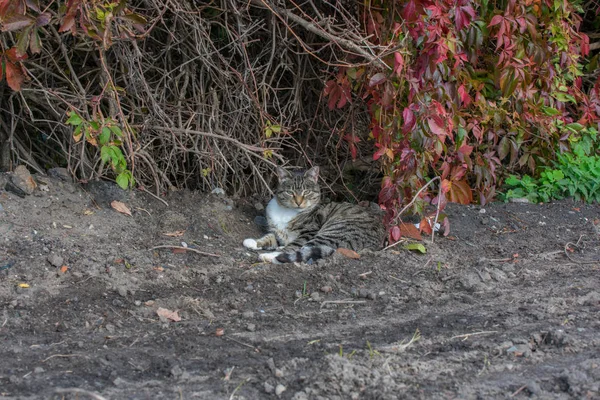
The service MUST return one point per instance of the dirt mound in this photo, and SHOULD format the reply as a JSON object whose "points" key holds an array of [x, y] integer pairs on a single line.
{"points": [[506, 305]]}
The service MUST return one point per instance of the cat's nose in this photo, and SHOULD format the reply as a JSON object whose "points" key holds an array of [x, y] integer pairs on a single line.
{"points": [[298, 199]]}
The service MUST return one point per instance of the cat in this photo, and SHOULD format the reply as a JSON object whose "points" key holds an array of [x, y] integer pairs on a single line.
{"points": [[301, 228]]}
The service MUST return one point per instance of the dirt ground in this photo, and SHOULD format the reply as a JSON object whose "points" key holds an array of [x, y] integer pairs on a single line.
{"points": [[496, 310]]}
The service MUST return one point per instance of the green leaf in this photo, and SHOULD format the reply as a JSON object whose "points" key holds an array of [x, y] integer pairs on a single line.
{"points": [[116, 130], [74, 119], [276, 128], [105, 154], [550, 111], [104, 137], [415, 247], [123, 180]]}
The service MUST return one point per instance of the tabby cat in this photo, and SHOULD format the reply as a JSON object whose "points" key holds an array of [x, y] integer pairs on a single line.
{"points": [[306, 229]]}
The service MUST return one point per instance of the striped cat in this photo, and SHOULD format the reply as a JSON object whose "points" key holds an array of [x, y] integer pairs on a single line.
{"points": [[306, 229]]}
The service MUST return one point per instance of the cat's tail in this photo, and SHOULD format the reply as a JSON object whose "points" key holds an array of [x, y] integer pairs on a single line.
{"points": [[305, 253]]}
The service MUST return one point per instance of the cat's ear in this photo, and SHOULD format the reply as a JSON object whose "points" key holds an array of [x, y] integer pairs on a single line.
{"points": [[312, 174], [283, 174]]}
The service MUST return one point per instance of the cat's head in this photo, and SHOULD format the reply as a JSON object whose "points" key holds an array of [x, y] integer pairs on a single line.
{"points": [[298, 190]]}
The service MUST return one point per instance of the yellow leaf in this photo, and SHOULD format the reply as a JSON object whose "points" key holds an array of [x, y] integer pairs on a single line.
{"points": [[24, 285]]}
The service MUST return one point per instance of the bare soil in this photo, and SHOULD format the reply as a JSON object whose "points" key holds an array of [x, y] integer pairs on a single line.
{"points": [[499, 308]]}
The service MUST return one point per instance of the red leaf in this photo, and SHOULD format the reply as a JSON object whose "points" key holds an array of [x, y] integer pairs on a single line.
{"points": [[16, 22], [409, 120], [436, 127], [446, 186], [43, 19], [14, 76], [409, 231], [464, 96], [14, 55], [395, 233], [381, 151], [398, 63], [496, 20], [377, 79], [465, 149], [67, 23], [460, 192], [425, 227]]}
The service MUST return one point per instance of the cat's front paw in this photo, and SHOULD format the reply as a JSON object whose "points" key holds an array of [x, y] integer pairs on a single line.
{"points": [[270, 257], [251, 244]]}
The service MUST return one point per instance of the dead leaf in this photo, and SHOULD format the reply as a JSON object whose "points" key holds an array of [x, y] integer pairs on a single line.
{"points": [[64, 269], [88, 212], [168, 314], [174, 234], [121, 207], [220, 332], [24, 285], [410, 231], [348, 253], [178, 250]]}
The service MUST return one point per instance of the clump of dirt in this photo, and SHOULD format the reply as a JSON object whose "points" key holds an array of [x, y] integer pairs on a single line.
{"points": [[506, 305]]}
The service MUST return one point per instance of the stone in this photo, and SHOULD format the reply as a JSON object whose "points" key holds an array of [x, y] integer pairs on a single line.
{"points": [[279, 389], [56, 260]]}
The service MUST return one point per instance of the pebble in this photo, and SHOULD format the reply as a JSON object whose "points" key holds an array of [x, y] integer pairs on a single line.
{"points": [[280, 389], [326, 289], [278, 373], [268, 387], [534, 387], [315, 296], [248, 314], [38, 370], [259, 207], [137, 303], [21, 183], [55, 260], [520, 350], [122, 291], [251, 327]]}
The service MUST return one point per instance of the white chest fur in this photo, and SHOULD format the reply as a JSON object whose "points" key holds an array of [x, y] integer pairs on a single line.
{"points": [[278, 216]]}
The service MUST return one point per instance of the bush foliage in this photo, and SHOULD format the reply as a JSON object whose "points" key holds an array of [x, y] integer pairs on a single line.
{"points": [[203, 94]]}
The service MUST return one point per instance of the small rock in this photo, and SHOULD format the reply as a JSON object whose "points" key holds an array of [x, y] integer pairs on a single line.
{"points": [[60, 173], [21, 183], [280, 389], [278, 373], [55, 260], [326, 289], [372, 296], [259, 207], [122, 291], [38, 370], [137, 303], [251, 327], [119, 382], [520, 350], [519, 200], [363, 293], [269, 388], [248, 314], [534, 387], [315, 296], [176, 371], [218, 191], [482, 211], [298, 294], [149, 303]]}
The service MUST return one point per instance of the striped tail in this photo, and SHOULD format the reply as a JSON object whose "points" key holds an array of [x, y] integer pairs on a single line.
{"points": [[305, 253]]}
